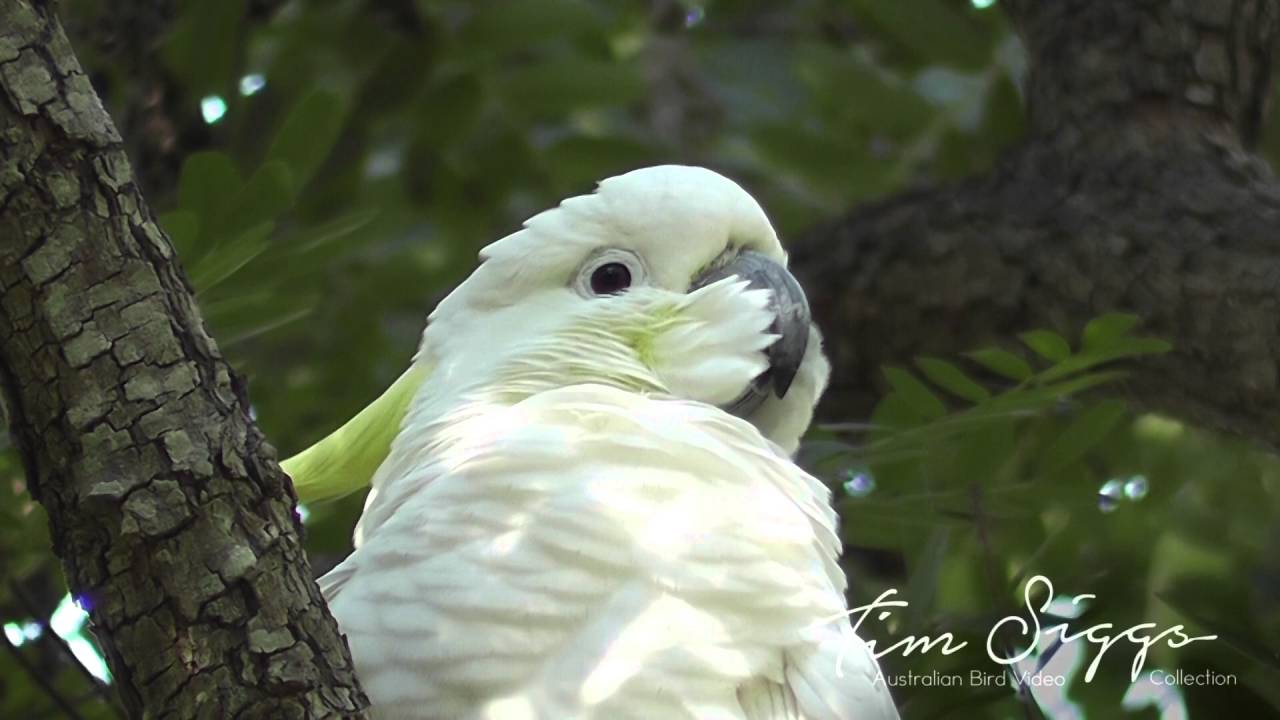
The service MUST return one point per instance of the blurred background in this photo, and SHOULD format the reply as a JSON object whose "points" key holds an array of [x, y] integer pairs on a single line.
{"points": [[327, 171]]}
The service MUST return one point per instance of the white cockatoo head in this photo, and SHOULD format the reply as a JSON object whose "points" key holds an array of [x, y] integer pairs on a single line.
{"points": [[667, 280]]}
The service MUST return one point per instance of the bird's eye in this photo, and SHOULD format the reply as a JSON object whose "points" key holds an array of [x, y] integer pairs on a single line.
{"points": [[609, 271], [610, 278]]}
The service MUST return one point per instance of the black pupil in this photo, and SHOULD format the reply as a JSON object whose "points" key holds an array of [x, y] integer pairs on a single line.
{"points": [[610, 278]]}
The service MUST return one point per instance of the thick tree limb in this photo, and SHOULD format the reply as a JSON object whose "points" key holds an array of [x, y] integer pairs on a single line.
{"points": [[174, 523], [1134, 192]]}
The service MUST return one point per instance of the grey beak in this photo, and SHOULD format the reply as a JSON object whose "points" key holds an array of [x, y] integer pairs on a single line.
{"points": [[791, 323]]}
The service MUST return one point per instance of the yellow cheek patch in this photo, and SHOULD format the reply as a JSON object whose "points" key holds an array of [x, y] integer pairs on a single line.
{"points": [[642, 339]]}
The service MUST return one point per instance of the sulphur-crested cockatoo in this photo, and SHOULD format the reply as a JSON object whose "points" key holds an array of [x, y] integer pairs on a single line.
{"points": [[584, 505]]}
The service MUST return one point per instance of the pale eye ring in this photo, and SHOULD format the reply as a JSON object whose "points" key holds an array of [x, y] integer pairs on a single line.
{"points": [[609, 272]]}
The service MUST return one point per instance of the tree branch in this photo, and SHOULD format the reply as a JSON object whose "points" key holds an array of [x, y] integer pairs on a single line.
{"points": [[66, 706], [174, 523], [1134, 192], [32, 609]]}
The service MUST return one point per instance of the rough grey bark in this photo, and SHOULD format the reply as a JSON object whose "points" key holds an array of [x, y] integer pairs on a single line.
{"points": [[174, 523], [1135, 190]]}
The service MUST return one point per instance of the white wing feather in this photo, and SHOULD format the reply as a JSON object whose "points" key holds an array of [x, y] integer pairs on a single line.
{"points": [[593, 553]]}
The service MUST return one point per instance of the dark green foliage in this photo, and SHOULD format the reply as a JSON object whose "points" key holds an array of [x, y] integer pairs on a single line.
{"points": [[985, 485]]}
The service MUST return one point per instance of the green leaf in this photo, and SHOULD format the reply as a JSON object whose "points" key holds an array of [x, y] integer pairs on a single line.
{"points": [[903, 435], [1231, 629], [447, 113], [915, 393], [1077, 385], [825, 162], [885, 104], [893, 411], [922, 586], [952, 379], [1141, 346], [1046, 344], [1001, 362], [1118, 349], [267, 195], [205, 44], [321, 235], [183, 228], [513, 25], [873, 529], [272, 320], [576, 162], [931, 29], [567, 84], [957, 155], [208, 182], [226, 260], [1084, 432], [1043, 397], [308, 133], [986, 450], [1104, 330], [1002, 122]]}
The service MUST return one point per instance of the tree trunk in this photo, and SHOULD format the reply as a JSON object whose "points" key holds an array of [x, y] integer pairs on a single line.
{"points": [[1135, 190], [174, 523]]}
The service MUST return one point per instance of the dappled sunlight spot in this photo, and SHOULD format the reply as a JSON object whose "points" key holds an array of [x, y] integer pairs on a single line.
{"points": [[1136, 487], [67, 622], [1115, 490], [1158, 427], [1057, 661], [505, 543], [859, 482], [212, 108], [1109, 495], [462, 435], [1147, 692], [357, 537], [67, 618], [650, 633], [383, 162], [88, 656], [729, 662], [19, 634], [623, 660], [510, 708], [672, 530], [1067, 607], [252, 83]]}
